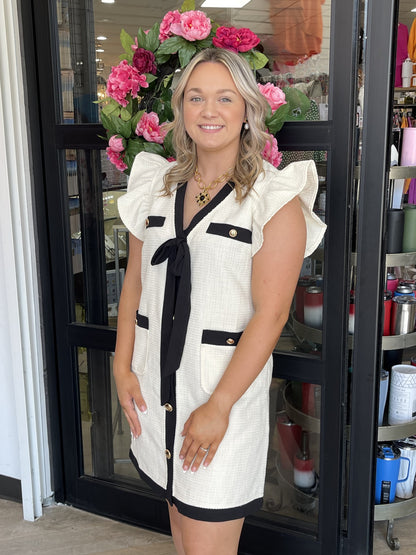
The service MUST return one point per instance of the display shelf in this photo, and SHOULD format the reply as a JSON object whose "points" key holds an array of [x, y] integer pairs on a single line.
{"points": [[402, 172], [401, 259], [398, 431], [313, 334], [398, 509], [306, 422]]}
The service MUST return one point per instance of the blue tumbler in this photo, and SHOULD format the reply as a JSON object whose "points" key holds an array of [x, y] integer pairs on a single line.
{"points": [[387, 472]]}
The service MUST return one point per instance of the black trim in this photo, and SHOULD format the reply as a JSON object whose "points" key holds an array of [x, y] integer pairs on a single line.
{"points": [[231, 232], [142, 321], [10, 488], [199, 513], [224, 338], [155, 221]]}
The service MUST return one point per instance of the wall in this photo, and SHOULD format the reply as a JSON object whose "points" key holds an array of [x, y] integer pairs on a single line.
{"points": [[24, 452]]}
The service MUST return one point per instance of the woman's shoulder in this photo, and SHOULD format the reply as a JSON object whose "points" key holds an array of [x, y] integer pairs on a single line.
{"points": [[293, 178]]}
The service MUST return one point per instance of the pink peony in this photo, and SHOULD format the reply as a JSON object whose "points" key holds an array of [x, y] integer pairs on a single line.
{"points": [[144, 61], [271, 152], [149, 127], [116, 158], [274, 96], [193, 25], [124, 79], [116, 143], [237, 40], [165, 26]]}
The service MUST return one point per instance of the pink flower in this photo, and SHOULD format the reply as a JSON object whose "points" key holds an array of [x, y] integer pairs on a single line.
{"points": [[165, 26], [144, 61], [116, 158], [271, 152], [274, 96], [150, 129], [116, 143], [237, 40], [135, 46], [171, 159], [193, 25], [124, 79]]}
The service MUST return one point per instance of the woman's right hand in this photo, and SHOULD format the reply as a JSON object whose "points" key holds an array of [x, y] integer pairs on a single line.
{"points": [[129, 394]]}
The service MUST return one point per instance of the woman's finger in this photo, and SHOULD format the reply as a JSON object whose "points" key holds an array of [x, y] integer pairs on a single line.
{"points": [[210, 455], [201, 454]]}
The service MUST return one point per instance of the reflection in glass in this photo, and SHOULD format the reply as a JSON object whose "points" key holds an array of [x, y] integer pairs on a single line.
{"points": [[102, 186], [303, 331], [294, 35], [292, 479], [105, 431]]}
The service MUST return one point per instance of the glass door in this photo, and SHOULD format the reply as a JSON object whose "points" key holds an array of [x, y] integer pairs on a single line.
{"points": [[312, 47]]}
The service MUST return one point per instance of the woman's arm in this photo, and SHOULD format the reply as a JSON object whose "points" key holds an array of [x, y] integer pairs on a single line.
{"points": [[128, 387], [275, 272]]}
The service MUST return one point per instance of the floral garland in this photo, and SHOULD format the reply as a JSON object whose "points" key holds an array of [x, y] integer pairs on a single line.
{"points": [[138, 102]]}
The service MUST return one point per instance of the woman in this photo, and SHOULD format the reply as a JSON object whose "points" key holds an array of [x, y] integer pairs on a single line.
{"points": [[213, 238]]}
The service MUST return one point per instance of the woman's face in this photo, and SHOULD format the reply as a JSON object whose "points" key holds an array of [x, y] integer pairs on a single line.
{"points": [[213, 109]]}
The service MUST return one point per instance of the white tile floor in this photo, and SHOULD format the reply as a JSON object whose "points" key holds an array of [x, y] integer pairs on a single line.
{"points": [[64, 530]]}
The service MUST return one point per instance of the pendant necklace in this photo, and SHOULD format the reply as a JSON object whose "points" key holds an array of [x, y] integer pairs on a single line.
{"points": [[203, 197]]}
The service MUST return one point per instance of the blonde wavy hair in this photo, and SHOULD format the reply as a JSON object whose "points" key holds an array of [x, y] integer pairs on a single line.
{"points": [[249, 163]]}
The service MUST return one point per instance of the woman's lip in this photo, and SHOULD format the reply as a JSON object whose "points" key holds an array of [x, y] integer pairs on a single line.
{"points": [[208, 127]]}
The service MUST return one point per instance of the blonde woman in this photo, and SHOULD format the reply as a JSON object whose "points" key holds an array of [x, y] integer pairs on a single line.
{"points": [[213, 237]]}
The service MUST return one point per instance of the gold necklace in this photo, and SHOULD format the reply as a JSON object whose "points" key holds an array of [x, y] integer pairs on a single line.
{"points": [[203, 197]]}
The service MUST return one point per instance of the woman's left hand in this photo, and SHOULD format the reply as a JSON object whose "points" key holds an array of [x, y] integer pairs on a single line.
{"points": [[204, 429]]}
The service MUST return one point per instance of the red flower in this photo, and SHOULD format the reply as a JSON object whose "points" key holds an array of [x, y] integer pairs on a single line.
{"points": [[237, 40], [144, 61]]}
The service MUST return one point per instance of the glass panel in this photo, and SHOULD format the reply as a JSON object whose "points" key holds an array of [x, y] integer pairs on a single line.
{"points": [[303, 331], [295, 36], [105, 432], [292, 478], [94, 186]]}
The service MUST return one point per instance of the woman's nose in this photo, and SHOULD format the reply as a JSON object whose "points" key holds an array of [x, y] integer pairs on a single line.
{"points": [[209, 108]]}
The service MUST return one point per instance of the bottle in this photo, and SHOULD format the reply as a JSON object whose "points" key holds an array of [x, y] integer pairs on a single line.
{"points": [[304, 476]]}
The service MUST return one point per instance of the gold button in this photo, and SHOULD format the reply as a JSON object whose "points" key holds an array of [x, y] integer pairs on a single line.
{"points": [[168, 454], [230, 341], [232, 233], [168, 407], [147, 222]]}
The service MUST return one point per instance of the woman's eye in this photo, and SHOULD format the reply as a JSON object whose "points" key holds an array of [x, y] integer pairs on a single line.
{"points": [[195, 99], [225, 99]]}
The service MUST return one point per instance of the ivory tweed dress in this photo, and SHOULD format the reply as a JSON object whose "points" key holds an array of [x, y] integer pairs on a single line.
{"points": [[195, 304]]}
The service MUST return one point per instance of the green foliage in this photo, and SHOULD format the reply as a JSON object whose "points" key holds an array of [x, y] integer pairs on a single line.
{"points": [[298, 104], [187, 6]]}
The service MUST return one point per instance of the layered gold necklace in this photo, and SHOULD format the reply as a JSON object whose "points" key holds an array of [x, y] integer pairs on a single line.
{"points": [[203, 197]]}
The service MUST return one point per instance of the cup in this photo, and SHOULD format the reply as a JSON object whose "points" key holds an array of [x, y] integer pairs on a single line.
{"points": [[404, 488], [384, 387], [290, 435], [387, 472], [403, 313], [402, 398], [408, 150], [395, 226], [409, 228]]}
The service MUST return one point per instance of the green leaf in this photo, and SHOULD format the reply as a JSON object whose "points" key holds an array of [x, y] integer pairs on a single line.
{"points": [[187, 6], [259, 59], [150, 77], [135, 120], [141, 39], [274, 122], [134, 146], [111, 107], [168, 144], [161, 58], [125, 113], [171, 45], [108, 123], [126, 41], [204, 43], [154, 148], [298, 104], [186, 53], [153, 37]]}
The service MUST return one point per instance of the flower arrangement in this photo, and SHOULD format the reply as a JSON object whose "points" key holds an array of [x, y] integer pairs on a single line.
{"points": [[138, 102]]}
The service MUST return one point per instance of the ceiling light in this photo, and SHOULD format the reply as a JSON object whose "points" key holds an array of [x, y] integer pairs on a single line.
{"points": [[108, 1], [98, 59], [99, 49], [224, 3], [414, 10], [101, 37]]}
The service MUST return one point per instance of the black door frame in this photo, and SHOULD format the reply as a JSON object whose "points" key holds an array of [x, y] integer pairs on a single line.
{"points": [[337, 136]]}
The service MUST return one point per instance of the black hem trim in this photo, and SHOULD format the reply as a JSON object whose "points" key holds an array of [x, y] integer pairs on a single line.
{"points": [[230, 231], [199, 513], [155, 221]]}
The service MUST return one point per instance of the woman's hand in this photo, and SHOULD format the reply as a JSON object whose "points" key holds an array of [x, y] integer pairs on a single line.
{"points": [[129, 393], [203, 432]]}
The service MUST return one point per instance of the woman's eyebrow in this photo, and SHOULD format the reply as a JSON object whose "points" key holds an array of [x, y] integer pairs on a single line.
{"points": [[219, 91]]}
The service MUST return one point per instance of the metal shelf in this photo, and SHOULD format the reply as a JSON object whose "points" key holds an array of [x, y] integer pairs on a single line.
{"points": [[401, 259], [398, 509], [402, 172], [398, 431]]}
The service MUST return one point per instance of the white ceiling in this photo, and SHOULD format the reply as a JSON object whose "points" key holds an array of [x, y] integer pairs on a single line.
{"points": [[131, 14]]}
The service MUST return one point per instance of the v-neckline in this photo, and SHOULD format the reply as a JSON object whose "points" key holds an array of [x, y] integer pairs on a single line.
{"points": [[180, 202]]}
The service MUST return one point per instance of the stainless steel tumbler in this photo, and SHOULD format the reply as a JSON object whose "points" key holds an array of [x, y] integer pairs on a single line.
{"points": [[403, 314]]}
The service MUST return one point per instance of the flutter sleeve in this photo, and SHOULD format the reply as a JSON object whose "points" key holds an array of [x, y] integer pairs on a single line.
{"points": [[276, 189], [146, 175]]}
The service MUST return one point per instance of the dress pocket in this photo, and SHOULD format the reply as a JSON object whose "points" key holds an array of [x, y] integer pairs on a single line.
{"points": [[217, 349], [141, 340]]}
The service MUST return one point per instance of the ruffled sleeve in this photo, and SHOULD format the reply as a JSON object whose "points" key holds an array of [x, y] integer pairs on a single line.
{"points": [[276, 188], [146, 175]]}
